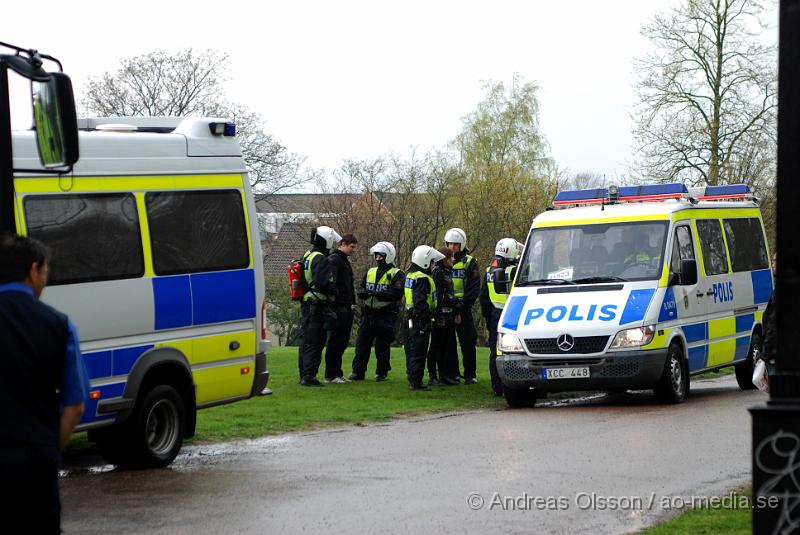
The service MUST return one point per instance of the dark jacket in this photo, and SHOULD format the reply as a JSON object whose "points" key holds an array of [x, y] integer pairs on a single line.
{"points": [[342, 273], [421, 314], [392, 293], [472, 282], [322, 282], [445, 298], [34, 338], [770, 345]]}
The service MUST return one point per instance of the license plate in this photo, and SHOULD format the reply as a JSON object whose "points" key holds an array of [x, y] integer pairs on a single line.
{"points": [[566, 373]]}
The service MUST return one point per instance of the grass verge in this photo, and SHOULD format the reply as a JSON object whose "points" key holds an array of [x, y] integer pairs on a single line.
{"points": [[725, 520]]}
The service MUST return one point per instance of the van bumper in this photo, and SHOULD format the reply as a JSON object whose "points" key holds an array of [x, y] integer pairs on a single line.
{"points": [[261, 374], [624, 369]]}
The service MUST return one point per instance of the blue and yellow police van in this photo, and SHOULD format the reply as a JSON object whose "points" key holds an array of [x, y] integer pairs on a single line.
{"points": [[156, 258], [636, 288]]}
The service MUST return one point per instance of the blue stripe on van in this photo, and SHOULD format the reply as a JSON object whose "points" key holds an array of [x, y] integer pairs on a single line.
{"points": [[695, 332], [223, 296], [745, 322], [514, 311], [669, 309], [742, 347], [90, 405], [172, 297], [762, 285], [698, 357], [637, 304], [98, 364], [124, 359]]}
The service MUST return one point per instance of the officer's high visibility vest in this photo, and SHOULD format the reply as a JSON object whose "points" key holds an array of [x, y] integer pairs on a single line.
{"points": [[460, 273], [374, 285], [411, 281], [311, 295], [498, 300]]}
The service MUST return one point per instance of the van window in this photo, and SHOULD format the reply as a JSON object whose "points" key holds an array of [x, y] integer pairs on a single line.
{"points": [[192, 231], [92, 237], [713, 246], [682, 248], [746, 244]]}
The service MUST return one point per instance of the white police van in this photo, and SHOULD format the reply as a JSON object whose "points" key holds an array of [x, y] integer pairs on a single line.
{"points": [[635, 288]]}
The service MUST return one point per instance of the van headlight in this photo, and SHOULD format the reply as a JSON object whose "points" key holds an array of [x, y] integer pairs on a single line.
{"points": [[509, 343], [639, 336]]}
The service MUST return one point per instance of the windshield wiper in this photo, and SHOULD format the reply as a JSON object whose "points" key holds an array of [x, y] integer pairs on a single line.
{"points": [[544, 281], [594, 280]]}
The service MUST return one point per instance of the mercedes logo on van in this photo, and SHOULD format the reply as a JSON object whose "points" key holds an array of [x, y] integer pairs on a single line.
{"points": [[565, 342]]}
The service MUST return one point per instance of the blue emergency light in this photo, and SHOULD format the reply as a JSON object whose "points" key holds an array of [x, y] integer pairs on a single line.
{"points": [[651, 192], [222, 129], [731, 191]]}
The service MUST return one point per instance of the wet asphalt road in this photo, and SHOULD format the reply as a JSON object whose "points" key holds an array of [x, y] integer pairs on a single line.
{"points": [[597, 464]]}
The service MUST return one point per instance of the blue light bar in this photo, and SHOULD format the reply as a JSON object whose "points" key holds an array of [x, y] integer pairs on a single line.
{"points": [[230, 129], [651, 192], [731, 191]]}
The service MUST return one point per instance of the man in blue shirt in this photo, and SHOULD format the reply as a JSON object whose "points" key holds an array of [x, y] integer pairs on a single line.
{"points": [[43, 384]]}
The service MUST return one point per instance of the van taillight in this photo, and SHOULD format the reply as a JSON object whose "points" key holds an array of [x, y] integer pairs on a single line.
{"points": [[264, 319]]}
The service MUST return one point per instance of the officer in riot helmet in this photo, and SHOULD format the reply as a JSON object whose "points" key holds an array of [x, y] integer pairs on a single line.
{"points": [[380, 292], [420, 296], [506, 257], [314, 309], [467, 287]]}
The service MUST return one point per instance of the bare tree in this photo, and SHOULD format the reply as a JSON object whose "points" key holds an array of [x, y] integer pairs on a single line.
{"points": [[189, 82], [707, 94]]}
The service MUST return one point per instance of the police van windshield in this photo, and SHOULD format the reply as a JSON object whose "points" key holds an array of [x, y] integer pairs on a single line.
{"points": [[593, 254]]}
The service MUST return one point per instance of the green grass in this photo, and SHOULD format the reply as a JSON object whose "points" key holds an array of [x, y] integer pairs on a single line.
{"points": [[707, 521], [293, 407]]}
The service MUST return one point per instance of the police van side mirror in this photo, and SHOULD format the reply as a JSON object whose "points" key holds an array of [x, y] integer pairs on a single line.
{"points": [[500, 281], [688, 272], [55, 121]]}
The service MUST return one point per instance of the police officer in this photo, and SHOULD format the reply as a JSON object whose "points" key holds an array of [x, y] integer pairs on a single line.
{"points": [[43, 385], [342, 306], [420, 294], [381, 291], [314, 310], [467, 288], [443, 370], [506, 257]]}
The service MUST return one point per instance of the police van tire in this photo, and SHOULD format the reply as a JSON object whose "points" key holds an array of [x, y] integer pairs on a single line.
{"points": [[673, 386], [744, 370], [520, 398], [158, 426]]}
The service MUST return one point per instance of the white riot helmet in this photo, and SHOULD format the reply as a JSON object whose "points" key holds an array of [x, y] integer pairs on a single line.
{"points": [[508, 248], [325, 237], [386, 249], [456, 235], [425, 255]]}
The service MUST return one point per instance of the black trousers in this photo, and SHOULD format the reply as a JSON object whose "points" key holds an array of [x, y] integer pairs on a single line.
{"points": [[30, 480], [440, 360], [491, 323], [416, 353], [338, 338], [377, 328], [467, 338], [312, 339]]}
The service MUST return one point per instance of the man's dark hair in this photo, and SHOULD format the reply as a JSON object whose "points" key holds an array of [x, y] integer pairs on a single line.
{"points": [[17, 255], [348, 239]]}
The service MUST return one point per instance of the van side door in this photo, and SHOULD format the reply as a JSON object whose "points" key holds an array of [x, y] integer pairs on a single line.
{"points": [[689, 300], [720, 292]]}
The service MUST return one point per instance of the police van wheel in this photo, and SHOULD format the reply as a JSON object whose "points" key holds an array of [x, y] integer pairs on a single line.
{"points": [[673, 386], [520, 398], [744, 370], [158, 428]]}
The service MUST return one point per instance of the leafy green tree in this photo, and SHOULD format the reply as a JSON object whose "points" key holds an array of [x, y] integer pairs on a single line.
{"points": [[283, 314]]}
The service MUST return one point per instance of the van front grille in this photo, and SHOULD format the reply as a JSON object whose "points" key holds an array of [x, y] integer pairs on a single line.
{"points": [[583, 344]]}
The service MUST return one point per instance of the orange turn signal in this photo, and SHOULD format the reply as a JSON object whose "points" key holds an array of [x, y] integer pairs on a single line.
{"points": [[94, 394], [245, 370]]}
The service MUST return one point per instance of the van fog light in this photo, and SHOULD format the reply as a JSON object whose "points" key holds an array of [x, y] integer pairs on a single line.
{"points": [[639, 336]]}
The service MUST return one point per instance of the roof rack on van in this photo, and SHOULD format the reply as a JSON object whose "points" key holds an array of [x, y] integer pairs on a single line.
{"points": [[653, 193], [163, 125]]}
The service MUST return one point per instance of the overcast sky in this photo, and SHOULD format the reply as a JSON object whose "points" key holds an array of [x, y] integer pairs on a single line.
{"points": [[354, 79]]}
